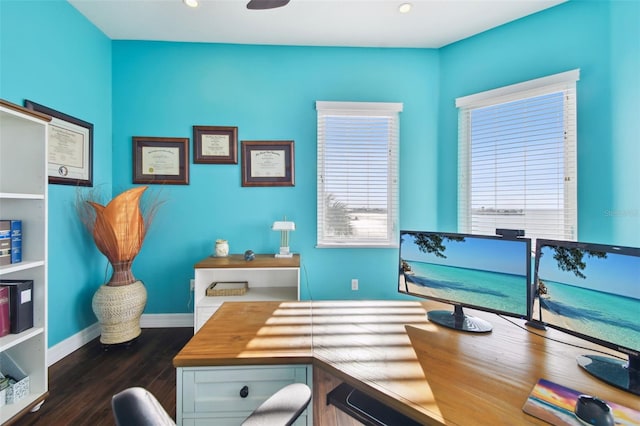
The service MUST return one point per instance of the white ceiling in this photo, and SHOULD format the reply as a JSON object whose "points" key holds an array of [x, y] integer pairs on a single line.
{"points": [[364, 23]]}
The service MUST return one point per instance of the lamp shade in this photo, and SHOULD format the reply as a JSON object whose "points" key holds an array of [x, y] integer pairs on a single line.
{"points": [[283, 226]]}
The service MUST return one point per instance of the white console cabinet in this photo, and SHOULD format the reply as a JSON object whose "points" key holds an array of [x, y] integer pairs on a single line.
{"points": [[23, 196], [269, 279]]}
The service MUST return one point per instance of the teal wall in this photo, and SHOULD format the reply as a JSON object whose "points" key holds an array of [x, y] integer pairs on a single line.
{"points": [[50, 54], [130, 88], [269, 92], [624, 60], [599, 37]]}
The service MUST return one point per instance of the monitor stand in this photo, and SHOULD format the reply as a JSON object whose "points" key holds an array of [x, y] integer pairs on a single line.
{"points": [[459, 321], [616, 372]]}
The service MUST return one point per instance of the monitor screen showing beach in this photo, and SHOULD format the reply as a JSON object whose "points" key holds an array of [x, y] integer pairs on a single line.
{"points": [[484, 272], [591, 290]]}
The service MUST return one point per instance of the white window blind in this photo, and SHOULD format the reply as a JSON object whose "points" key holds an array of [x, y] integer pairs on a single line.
{"points": [[357, 174], [517, 159]]}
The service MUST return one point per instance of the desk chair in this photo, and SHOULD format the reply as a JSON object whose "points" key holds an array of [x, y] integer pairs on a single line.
{"points": [[138, 407]]}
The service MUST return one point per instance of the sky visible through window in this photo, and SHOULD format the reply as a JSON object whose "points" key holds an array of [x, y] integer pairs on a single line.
{"points": [[517, 155]]}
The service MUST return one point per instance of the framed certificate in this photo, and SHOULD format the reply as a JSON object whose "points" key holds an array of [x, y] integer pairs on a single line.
{"points": [[160, 160], [70, 148], [267, 163], [215, 145]]}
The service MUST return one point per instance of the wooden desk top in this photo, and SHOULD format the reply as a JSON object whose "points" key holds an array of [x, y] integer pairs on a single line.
{"points": [[252, 333], [260, 261], [390, 350]]}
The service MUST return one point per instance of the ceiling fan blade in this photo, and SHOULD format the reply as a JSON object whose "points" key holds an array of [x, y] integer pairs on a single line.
{"points": [[266, 4]]}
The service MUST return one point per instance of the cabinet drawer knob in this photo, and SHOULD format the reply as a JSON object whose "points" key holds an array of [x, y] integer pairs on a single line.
{"points": [[244, 392]]}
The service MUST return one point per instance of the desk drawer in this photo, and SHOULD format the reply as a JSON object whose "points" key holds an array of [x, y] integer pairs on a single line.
{"points": [[233, 421], [233, 392]]}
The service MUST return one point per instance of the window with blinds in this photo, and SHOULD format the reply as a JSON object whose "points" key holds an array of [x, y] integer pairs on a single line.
{"points": [[517, 159], [357, 174]]}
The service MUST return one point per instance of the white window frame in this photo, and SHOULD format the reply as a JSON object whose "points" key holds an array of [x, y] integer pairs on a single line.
{"points": [[565, 225], [386, 234]]}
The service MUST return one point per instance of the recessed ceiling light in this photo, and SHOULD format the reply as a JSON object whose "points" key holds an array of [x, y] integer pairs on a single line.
{"points": [[404, 8], [191, 3]]}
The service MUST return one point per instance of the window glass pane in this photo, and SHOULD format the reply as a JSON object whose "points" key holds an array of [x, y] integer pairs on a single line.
{"points": [[517, 165], [357, 178]]}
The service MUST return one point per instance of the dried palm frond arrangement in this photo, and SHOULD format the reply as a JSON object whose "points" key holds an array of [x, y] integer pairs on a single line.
{"points": [[118, 228]]}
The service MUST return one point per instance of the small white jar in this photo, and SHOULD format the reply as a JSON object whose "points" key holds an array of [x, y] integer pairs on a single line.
{"points": [[222, 248]]}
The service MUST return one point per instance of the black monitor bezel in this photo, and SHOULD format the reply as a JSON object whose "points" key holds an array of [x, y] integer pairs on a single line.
{"points": [[540, 243], [529, 287]]}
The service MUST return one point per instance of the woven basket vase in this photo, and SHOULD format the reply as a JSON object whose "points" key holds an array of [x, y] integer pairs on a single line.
{"points": [[118, 310]]}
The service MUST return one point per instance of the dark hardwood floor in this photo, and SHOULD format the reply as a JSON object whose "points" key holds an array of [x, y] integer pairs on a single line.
{"points": [[81, 385]]}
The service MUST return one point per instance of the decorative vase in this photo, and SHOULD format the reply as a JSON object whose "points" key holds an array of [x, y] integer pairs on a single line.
{"points": [[118, 309], [222, 248]]}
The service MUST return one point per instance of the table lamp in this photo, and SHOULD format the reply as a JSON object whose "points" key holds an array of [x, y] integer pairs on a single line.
{"points": [[284, 227]]}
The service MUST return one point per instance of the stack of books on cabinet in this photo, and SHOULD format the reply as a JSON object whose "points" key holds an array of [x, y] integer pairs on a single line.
{"points": [[23, 260]]}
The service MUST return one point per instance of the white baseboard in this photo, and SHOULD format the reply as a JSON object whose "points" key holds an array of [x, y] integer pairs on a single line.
{"points": [[78, 340], [70, 344], [166, 320]]}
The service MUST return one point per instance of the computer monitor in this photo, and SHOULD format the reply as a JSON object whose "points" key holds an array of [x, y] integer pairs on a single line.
{"points": [[592, 291], [488, 273]]}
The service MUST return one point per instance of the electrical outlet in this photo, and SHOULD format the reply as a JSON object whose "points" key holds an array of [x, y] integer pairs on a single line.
{"points": [[192, 284], [354, 284]]}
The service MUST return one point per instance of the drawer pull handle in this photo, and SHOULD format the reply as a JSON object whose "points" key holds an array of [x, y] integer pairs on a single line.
{"points": [[244, 392]]}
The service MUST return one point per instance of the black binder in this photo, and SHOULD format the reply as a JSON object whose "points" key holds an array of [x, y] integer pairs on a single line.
{"points": [[20, 304]]}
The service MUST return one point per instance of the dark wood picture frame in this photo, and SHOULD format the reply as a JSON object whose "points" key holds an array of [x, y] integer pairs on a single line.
{"points": [[268, 163], [215, 144], [160, 160], [70, 159]]}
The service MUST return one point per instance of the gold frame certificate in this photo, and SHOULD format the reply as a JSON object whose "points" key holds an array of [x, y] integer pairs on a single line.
{"points": [[268, 163], [160, 160], [215, 144]]}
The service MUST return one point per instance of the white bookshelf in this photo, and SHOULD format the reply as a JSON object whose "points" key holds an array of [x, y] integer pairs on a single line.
{"points": [[23, 195]]}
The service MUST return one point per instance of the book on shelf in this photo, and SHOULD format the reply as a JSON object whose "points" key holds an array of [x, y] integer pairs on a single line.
{"points": [[4, 311], [20, 304], [16, 240], [5, 242]]}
